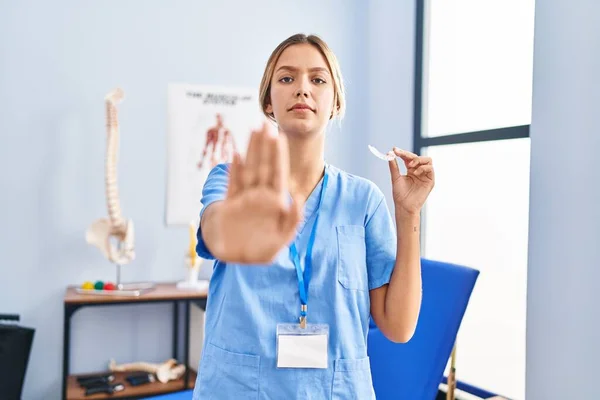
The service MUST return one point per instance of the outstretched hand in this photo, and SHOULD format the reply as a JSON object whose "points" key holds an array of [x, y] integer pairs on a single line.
{"points": [[412, 189], [256, 219]]}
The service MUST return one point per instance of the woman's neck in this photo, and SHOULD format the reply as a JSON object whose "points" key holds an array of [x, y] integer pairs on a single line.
{"points": [[307, 163]]}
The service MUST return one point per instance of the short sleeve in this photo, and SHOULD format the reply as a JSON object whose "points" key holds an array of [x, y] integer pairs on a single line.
{"points": [[215, 189], [381, 244]]}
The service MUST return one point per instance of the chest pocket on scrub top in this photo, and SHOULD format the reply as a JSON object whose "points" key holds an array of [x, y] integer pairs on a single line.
{"points": [[352, 257]]}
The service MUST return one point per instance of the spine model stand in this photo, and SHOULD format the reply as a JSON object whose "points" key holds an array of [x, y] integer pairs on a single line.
{"points": [[100, 233]]}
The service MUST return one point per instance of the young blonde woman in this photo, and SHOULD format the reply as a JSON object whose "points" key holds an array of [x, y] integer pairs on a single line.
{"points": [[305, 253]]}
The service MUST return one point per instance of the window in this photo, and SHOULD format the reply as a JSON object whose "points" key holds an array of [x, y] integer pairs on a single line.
{"points": [[473, 76], [478, 216], [478, 72]]}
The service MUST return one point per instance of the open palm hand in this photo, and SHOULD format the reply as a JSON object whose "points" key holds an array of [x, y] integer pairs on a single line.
{"points": [[256, 219]]}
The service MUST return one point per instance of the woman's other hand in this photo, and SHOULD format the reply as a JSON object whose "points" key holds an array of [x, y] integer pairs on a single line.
{"points": [[412, 189]]}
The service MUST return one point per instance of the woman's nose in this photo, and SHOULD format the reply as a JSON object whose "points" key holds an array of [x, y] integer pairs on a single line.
{"points": [[301, 92], [303, 87]]}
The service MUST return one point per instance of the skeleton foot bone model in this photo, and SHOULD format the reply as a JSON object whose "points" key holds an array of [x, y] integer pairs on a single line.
{"points": [[165, 372], [100, 233]]}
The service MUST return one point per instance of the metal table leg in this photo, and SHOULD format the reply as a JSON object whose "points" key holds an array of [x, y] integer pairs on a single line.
{"points": [[186, 346], [69, 310], [175, 329]]}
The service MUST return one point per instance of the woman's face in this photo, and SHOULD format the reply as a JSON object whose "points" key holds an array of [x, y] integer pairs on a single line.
{"points": [[301, 91]]}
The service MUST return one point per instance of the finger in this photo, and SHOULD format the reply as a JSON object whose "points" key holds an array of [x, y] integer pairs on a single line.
{"points": [[394, 170], [419, 161], [281, 164], [235, 176], [274, 179], [405, 155], [252, 158], [292, 218], [424, 170], [412, 160], [265, 160]]}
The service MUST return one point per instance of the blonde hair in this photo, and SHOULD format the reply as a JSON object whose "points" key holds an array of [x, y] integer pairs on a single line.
{"points": [[339, 98]]}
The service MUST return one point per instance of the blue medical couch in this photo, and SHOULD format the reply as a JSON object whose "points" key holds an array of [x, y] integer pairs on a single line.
{"points": [[414, 370]]}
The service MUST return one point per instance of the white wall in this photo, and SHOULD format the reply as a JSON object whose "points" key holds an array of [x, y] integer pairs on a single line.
{"points": [[390, 87], [563, 306], [59, 59]]}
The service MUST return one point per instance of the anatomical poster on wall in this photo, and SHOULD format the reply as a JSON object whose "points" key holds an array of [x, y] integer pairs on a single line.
{"points": [[206, 125]]}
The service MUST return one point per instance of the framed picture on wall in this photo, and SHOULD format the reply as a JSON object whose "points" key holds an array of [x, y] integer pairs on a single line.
{"points": [[206, 125]]}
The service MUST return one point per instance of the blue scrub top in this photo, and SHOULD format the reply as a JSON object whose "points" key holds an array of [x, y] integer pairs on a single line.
{"points": [[354, 252]]}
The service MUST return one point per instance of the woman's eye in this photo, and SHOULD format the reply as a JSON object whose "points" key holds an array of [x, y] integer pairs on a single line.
{"points": [[319, 81], [286, 79]]}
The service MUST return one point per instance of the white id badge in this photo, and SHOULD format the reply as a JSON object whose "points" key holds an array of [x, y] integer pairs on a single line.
{"points": [[302, 347]]}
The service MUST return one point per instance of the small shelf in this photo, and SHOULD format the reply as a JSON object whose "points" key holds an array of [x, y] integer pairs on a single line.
{"points": [[76, 392], [163, 292]]}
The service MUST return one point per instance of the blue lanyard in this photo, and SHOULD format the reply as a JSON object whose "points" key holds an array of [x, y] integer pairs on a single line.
{"points": [[304, 279]]}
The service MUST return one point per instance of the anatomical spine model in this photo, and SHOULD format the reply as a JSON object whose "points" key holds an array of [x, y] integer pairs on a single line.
{"points": [[115, 226]]}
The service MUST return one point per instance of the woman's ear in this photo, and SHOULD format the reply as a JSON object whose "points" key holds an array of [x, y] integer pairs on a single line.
{"points": [[335, 109]]}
